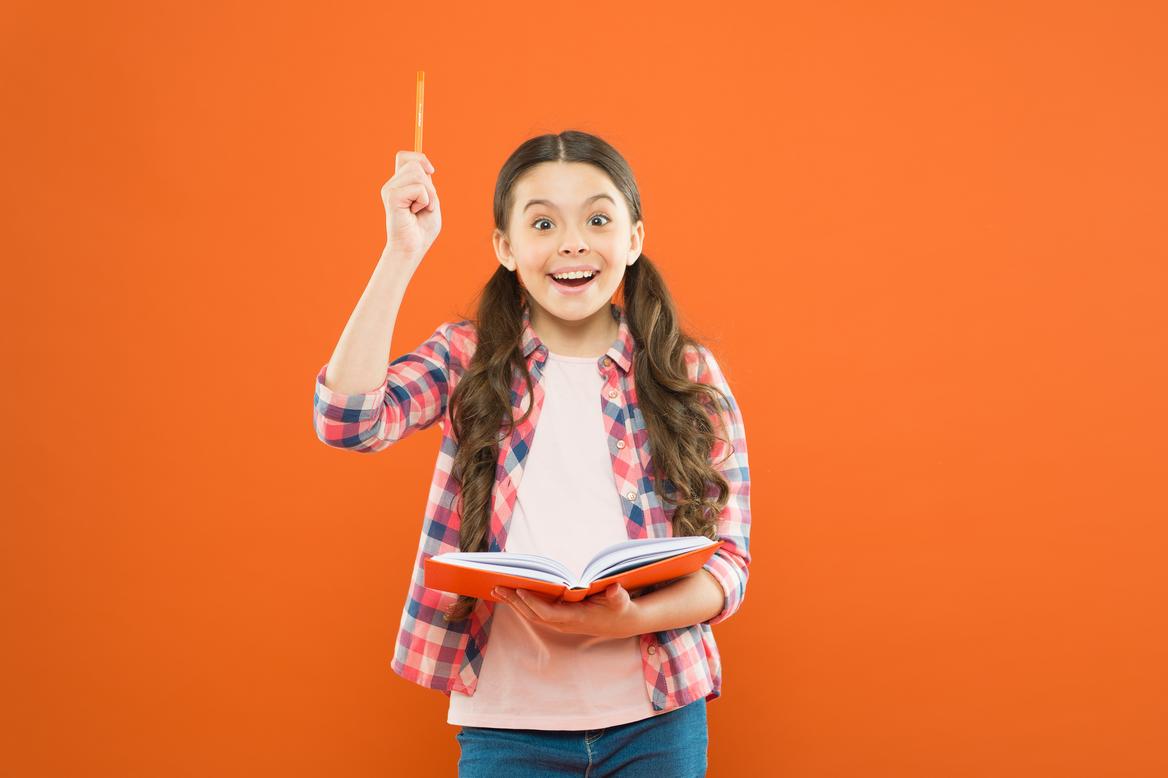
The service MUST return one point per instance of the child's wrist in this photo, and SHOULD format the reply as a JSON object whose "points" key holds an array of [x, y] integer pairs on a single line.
{"points": [[635, 620]]}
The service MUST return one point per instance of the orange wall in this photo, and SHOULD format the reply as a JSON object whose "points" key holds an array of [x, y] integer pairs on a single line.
{"points": [[927, 243]]}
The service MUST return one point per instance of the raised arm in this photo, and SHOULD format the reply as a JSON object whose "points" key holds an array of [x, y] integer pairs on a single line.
{"points": [[359, 404]]}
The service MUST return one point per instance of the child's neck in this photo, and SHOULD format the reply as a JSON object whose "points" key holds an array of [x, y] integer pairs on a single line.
{"points": [[589, 337]]}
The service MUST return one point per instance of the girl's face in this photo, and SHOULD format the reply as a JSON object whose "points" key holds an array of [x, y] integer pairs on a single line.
{"points": [[557, 224]]}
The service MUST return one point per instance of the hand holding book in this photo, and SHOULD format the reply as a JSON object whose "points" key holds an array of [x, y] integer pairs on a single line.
{"points": [[611, 614]]}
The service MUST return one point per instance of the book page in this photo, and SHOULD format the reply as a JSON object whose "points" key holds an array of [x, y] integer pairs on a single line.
{"points": [[611, 560], [528, 563], [631, 554]]}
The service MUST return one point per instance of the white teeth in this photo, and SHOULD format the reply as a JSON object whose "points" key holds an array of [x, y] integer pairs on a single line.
{"points": [[576, 274]]}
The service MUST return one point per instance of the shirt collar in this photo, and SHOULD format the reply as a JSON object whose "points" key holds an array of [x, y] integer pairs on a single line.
{"points": [[621, 350]]}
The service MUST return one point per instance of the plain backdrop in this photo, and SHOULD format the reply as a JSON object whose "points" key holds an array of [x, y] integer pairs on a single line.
{"points": [[926, 241]]}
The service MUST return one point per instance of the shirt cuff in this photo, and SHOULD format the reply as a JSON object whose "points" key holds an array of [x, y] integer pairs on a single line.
{"points": [[728, 572], [342, 407]]}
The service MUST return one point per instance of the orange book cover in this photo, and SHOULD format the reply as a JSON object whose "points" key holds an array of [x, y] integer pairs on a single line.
{"points": [[634, 564]]}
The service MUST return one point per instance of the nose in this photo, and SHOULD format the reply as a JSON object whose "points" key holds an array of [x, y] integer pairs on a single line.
{"points": [[573, 244]]}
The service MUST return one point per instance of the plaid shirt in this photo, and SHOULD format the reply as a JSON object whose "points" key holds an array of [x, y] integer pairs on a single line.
{"points": [[679, 665]]}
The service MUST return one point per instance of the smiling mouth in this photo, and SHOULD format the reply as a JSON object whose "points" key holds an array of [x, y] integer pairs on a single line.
{"points": [[574, 283]]}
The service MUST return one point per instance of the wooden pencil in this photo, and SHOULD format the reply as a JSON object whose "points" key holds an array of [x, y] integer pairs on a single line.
{"points": [[418, 111]]}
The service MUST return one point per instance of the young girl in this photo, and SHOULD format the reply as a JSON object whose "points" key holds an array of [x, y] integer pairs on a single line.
{"points": [[569, 423]]}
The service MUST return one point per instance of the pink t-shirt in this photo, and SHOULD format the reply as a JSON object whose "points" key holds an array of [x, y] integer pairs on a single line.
{"points": [[567, 508]]}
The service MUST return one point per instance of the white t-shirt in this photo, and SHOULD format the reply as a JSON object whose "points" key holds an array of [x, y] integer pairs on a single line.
{"points": [[567, 508]]}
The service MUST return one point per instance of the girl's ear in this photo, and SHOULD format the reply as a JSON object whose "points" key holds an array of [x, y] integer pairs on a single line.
{"points": [[503, 249], [637, 241]]}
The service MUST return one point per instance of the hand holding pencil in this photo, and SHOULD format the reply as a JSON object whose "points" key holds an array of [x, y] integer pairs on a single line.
{"points": [[413, 215]]}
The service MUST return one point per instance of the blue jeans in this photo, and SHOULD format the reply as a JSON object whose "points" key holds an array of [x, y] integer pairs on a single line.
{"points": [[668, 745]]}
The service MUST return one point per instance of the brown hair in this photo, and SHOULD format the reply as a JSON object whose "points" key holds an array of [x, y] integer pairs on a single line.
{"points": [[681, 434]]}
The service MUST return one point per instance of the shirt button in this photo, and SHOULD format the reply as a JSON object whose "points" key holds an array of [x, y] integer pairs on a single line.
{"points": [[607, 361], [620, 444], [612, 394], [652, 649], [632, 496]]}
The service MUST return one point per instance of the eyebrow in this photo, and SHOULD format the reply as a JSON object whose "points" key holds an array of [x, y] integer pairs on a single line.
{"points": [[550, 204]]}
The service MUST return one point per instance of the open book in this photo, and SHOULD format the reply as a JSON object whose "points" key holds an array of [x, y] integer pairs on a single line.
{"points": [[632, 563]]}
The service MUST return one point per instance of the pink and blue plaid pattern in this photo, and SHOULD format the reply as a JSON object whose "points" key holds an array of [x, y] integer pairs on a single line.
{"points": [[679, 665]]}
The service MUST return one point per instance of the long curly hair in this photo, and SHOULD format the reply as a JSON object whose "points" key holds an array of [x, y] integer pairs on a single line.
{"points": [[677, 411]]}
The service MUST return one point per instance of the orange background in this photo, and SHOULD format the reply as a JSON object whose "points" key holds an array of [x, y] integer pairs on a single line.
{"points": [[927, 243]]}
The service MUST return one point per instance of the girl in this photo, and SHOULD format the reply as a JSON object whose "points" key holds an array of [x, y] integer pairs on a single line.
{"points": [[570, 422]]}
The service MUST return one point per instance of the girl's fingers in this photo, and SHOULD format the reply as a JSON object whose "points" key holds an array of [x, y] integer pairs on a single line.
{"points": [[416, 173], [427, 184], [512, 598], [526, 600], [415, 197], [433, 195], [405, 156]]}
